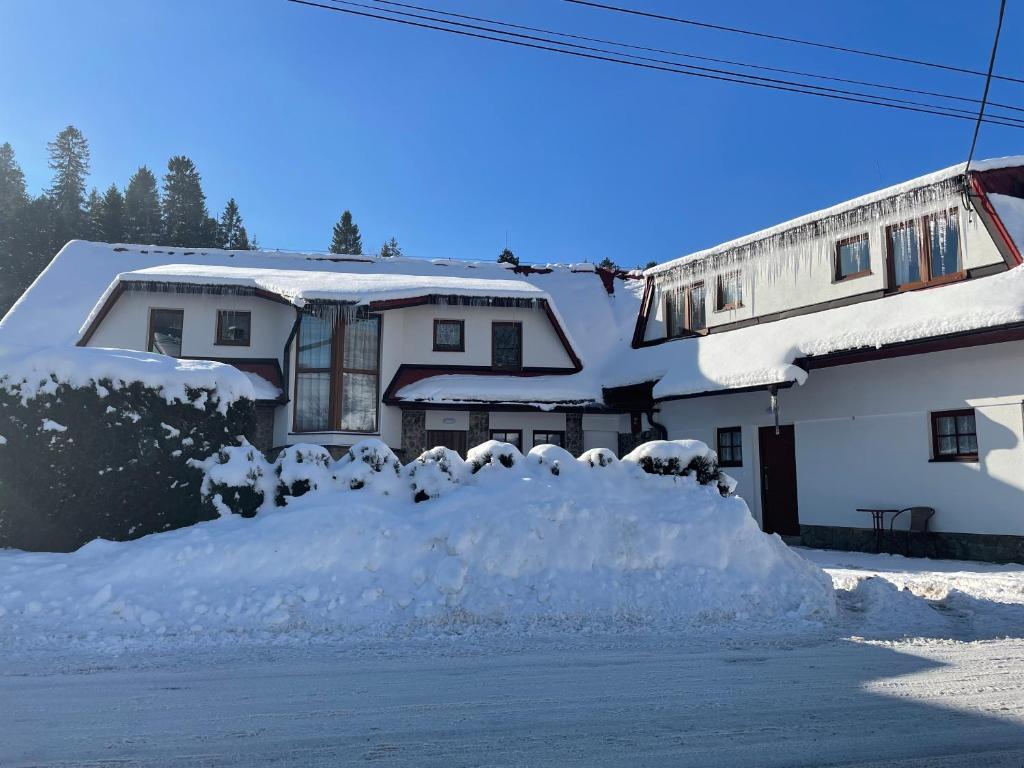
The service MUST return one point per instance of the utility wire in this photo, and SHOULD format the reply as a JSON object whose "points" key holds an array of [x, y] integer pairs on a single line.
{"points": [[784, 39], [988, 82], [680, 69], [697, 57]]}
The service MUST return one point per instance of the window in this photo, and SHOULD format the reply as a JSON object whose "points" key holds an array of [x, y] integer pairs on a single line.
{"points": [[730, 291], [684, 310], [455, 439], [549, 438], [853, 258], [164, 334], [730, 447], [336, 374], [925, 251], [507, 345], [449, 335], [233, 327], [954, 436], [513, 436]]}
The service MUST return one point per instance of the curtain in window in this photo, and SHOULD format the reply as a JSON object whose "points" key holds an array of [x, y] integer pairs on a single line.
{"points": [[312, 401], [944, 242], [165, 330], [730, 290], [314, 342], [854, 257], [675, 312], [906, 253], [697, 321], [448, 334], [507, 345]]}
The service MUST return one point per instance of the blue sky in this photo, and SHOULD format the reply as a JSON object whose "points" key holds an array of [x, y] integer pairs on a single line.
{"points": [[448, 143]]}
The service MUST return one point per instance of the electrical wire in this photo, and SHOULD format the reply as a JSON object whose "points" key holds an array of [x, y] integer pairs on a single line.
{"points": [[988, 82]]}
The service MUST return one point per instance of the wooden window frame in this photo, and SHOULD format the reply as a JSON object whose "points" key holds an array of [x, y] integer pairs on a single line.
{"points": [[533, 436], [336, 372], [837, 276], [462, 336], [519, 432], [494, 361], [220, 341], [719, 305], [149, 327], [934, 416], [718, 446], [686, 293], [924, 253]]}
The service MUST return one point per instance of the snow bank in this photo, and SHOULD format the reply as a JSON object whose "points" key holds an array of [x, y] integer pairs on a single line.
{"points": [[28, 372], [513, 549]]}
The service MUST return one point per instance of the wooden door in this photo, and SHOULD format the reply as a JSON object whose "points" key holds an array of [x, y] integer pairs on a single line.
{"points": [[448, 438], [778, 481]]}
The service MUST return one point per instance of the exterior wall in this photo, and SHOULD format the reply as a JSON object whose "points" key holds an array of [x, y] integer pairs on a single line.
{"points": [[602, 430], [863, 438], [804, 279], [528, 421]]}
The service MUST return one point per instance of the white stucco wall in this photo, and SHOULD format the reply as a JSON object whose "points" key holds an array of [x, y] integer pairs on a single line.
{"points": [[528, 422], [863, 438], [807, 281]]}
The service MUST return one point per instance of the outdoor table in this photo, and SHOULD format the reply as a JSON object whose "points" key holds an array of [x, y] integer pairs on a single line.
{"points": [[878, 524]]}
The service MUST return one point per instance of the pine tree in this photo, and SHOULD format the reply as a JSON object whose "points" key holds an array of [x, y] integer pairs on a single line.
{"points": [[187, 222], [507, 257], [346, 237], [12, 185], [14, 204], [112, 215], [69, 161], [231, 232], [607, 263], [93, 226], [390, 249], [143, 221]]}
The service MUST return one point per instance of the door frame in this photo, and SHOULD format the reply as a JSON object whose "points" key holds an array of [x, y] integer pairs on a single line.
{"points": [[761, 432]]}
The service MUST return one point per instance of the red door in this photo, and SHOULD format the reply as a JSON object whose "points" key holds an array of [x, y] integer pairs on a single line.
{"points": [[778, 481]]}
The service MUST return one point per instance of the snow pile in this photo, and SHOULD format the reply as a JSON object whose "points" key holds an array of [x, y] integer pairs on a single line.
{"points": [[27, 372], [515, 547]]}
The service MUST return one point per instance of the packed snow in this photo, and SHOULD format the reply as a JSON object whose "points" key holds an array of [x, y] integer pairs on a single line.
{"points": [[545, 391], [545, 541], [27, 372]]}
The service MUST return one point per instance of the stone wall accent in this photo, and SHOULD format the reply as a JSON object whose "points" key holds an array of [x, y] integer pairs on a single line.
{"points": [[986, 547], [574, 433], [628, 441], [262, 435], [414, 434], [479, 428]]}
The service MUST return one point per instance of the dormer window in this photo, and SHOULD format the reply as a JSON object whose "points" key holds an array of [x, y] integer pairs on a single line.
{"points": [[684, 310], [853, 258], [507, 346], [449, 335], [730, 291], [165, 326], [925, 252], [233, 328]]}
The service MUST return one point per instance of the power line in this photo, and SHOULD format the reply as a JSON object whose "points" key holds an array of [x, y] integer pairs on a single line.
{"points": [[678, 69], [988, 82], [698, 57], [796, 40]]}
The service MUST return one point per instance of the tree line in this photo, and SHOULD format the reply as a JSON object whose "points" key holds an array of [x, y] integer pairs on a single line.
{"points": [[34, 228]]}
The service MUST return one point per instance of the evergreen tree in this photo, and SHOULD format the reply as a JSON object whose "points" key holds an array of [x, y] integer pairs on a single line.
{"points": [[231, 231], [507, 257], [187, 222], [390, 249], [143, 221], [346, 237], [26, 246], [12, 186], [14, 203], [112, 215], [649, 264], [607, 263], [93, 226], [69, 161]]}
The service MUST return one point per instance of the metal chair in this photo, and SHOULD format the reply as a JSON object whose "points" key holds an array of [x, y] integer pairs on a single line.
{"points": [[919, 517]]}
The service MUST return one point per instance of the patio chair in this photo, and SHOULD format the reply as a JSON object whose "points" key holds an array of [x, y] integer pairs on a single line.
{"points": [[918, 529]]}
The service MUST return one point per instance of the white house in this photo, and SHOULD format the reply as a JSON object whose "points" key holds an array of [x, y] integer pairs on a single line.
{"points": [[867, 355]]}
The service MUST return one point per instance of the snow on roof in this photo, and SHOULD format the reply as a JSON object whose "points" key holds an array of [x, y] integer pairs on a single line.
{"points": [[935, 177], [544, 392], [760, 355]]}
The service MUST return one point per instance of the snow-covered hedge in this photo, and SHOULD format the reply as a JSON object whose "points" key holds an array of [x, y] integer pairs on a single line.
{"points": [[96, 443], [240, 480]]}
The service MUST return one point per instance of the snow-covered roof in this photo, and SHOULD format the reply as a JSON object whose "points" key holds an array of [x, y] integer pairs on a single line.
{"points": [[543, 392], [936, 177]]}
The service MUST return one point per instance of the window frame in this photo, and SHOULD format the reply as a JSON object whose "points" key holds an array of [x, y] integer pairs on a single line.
{"points": [[924, 252], [837, 276], [718, 446], [462, 336], [720, 306], [494, 347], [934, 417], [686, 293], [220, 341], [336, 371], [519, 432], [534, 433], [149, 328]]}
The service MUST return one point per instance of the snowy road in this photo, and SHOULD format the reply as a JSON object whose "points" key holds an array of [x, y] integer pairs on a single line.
{"points": [[569, 700]]}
